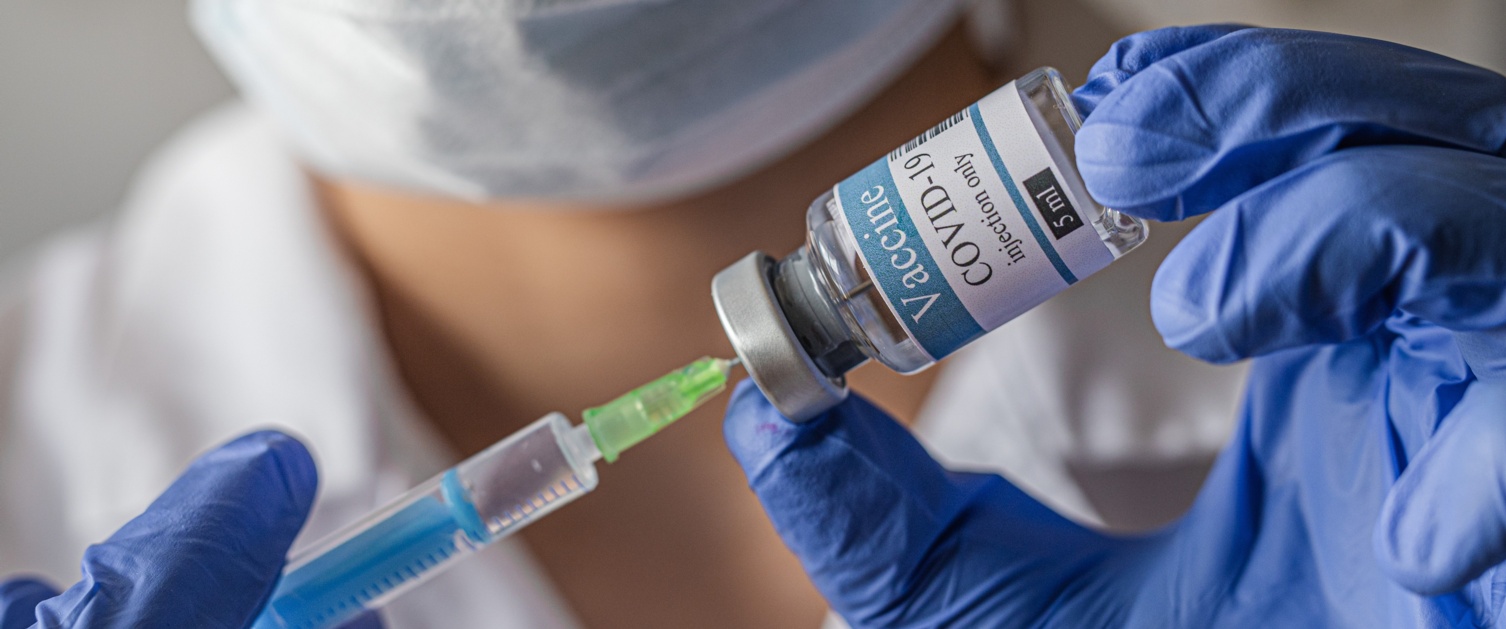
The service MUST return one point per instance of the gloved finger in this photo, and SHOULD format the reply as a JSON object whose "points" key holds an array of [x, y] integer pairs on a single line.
{"points": [[1327, 252], [889, 536], [1128, 56], [1200, 127], [1444, 521], [204, 554], [1485, 352], [19, 599]]}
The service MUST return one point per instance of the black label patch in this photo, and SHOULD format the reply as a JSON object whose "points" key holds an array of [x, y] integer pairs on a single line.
{"points": [[1052, 201]]}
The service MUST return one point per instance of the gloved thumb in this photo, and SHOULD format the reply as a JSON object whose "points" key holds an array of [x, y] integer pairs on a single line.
{"points": [[892, 538], [1134, 54], [19, 599], [204, 554], [1444, 522]]}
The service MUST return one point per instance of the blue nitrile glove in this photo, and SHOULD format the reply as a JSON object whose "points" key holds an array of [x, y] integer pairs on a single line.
{"points": [[205, 554], [1359, 249], [1360, 197]]}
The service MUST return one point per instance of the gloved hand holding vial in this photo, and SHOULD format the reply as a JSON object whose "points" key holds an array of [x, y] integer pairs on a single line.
{"points": [[1356, 251]]}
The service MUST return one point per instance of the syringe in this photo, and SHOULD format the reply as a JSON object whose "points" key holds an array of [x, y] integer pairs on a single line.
{"points": [[483, 499]]}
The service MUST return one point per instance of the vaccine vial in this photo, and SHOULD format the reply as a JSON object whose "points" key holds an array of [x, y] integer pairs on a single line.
{"points": [[962, 229]]}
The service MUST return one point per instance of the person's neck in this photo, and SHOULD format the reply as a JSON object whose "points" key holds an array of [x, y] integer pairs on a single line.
{"points": [[500, 313]]}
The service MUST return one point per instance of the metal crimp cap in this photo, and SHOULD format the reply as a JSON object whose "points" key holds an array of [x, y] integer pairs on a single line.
{"points": [[763, 339]]}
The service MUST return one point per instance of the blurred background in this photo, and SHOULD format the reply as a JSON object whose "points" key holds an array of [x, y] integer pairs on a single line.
{"points": [[89, 87]]}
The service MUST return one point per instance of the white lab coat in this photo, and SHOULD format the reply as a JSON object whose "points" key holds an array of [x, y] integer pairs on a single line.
{"points": [[217, 303]]}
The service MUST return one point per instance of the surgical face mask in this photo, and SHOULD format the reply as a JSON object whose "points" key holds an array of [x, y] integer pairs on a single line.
{"points": [[613, 100]]}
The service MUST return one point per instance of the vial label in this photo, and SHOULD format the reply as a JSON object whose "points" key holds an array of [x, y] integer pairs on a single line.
{"points": [[969, 225]]}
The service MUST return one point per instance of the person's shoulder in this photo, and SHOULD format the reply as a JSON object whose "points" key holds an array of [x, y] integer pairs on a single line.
{"points": [[220, 158], [221, 148]]}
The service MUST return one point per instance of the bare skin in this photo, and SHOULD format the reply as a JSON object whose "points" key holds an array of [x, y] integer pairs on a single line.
{"points": [[497, 315]]}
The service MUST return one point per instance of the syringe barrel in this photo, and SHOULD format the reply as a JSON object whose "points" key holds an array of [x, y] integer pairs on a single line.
{"points": [[485, 498]]}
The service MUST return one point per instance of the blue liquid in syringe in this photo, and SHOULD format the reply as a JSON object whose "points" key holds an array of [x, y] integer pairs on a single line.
{"points": [[343, 582]]}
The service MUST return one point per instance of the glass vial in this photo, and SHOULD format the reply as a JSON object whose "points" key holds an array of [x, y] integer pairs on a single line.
{"points": [[965, 227]]}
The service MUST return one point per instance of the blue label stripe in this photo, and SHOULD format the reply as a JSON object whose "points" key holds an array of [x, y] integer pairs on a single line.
{"points": [[1019, 201], [944, 324]]}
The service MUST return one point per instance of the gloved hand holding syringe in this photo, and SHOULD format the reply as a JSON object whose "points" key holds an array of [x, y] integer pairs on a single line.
{"points": [[483, 499]]}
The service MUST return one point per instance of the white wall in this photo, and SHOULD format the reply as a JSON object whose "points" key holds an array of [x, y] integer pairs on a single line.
{"points": [[87, 89]]}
